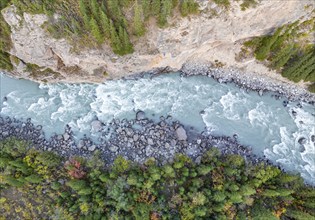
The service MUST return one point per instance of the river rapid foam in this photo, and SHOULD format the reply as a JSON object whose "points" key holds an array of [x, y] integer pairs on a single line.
{"points": [[283, 132]]}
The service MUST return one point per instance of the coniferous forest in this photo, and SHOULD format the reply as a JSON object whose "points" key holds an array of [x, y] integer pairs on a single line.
{"points": [[42, 185], [289, 50]]}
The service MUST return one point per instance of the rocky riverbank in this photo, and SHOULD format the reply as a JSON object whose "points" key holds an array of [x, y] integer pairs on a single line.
{"points": [[137, 139], [251, 81]]}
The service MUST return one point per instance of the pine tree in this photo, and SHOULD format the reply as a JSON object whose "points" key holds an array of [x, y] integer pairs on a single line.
{"points": [[115, 42], [5, 62], [124, 39], [166, 10], [77, 184], [284, 59], [298, 214], [138, 23], [96, 31], [263, 51], [34, 179], [184, 8], [84, 13], [94, 8], [155, 7], [85, 191], [104, 21], [146, 6], [48, 158], [83, 7], [287, 72]]}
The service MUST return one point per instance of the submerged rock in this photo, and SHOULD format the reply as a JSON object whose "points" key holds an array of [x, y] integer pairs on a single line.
{"points": [[96, 125], [140, 115], [302, 140]]}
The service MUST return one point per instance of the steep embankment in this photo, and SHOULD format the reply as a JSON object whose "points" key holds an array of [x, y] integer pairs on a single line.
{"points": [[215, 34]]}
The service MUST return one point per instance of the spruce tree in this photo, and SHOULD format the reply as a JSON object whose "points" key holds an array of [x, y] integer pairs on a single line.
{"points": [[263, 51], [155, 7], [184, 8], [115, 42], [138, 23], [166, 8], [96, 31], [104, 21], [94, 8], [146, 6]]}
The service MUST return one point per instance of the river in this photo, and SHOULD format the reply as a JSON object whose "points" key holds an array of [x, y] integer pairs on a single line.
{"points": [[283, 133]]}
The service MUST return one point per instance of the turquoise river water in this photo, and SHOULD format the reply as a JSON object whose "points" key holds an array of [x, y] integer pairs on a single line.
{"points": [[261, 122]]}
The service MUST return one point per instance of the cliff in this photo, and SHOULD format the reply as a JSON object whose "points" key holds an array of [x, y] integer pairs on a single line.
{"points": [[215, 34]]}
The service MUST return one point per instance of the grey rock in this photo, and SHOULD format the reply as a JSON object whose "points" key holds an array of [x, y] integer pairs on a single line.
{"points": [[66, 136], [301, 148], [129, 131], [140, 115], [173, 142], [198, 160], [294, 113], [181, 133], [142, 138], [302, 140], [150, 141], [135, 137], [92, 148], [130, 140], [113, 149], [80, 144], [313, 138], [119, 130], [96, 125], [5, 133], [148, 151]]}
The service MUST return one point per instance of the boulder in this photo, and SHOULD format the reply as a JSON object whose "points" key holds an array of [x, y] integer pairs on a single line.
{"points": [[66, 136], [96, 125], [140, 115], [135, 137], [302, 140], [113, 149], [92, 148], [80, 144], [181, 133], [150, 141]]}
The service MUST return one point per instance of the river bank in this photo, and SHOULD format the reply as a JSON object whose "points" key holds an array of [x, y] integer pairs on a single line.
{"points": [[137, 140], [252, 81], [221, 114]]}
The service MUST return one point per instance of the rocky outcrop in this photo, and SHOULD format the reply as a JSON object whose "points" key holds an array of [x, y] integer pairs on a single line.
{"points": [[215, 34]]}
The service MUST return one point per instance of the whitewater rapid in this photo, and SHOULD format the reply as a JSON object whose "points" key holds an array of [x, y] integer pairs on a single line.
{"points": [[261, 122]]}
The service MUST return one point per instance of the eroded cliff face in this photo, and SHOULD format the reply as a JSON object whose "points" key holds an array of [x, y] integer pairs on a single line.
{"points": [[197, 39]]}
